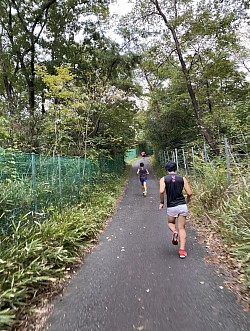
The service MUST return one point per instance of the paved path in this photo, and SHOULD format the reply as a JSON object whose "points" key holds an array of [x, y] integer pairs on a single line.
{"points": [[134, 279]]}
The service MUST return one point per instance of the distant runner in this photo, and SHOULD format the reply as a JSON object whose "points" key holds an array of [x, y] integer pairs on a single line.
{"points": [[143, 154], [173, 184], [142, 173]]}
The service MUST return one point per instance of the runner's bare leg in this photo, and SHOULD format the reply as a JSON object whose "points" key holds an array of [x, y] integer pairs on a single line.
{"points": [[182, 231], [171, 223]]}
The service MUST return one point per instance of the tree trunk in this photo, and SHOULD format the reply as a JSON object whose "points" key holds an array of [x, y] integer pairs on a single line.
{"points": [[7, 83], [203, 129], [157, 104]]}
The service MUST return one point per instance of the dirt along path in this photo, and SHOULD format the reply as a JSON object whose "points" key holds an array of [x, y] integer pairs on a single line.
{"points": [[134, 279]]}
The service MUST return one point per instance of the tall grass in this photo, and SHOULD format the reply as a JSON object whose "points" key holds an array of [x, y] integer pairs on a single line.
{"points": [[37, 254], [210, 187], [235, 227], [228, 208]]}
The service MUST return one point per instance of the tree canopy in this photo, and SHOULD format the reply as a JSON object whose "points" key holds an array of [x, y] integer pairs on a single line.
{"points": [[189, 68], [67, 87]]}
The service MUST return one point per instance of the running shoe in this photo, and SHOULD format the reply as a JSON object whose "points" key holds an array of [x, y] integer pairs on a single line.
{"points": [[182, 253], [175, 238]]}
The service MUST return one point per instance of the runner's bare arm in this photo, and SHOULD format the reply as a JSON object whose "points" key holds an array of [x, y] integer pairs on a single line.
{"points": [[162, 192], [187, 189]]}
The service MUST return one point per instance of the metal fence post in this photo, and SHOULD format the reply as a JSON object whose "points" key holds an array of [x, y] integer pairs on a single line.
{"points": [[173, 156], [60, 178], [205, 153], [228, 162], [79, 174], [165, 160], [176, 158], [33, 166], [184, 161], [193, 159]]}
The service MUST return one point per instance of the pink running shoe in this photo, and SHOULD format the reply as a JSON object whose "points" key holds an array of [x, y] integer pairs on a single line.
{"points": [[182, 253], [175, 238]]}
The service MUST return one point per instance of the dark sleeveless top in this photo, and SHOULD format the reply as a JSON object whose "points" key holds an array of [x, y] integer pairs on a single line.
{"points": [[143, 173], [174, 185]]}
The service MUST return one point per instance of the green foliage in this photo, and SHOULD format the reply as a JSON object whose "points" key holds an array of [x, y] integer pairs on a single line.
{"points": [[235, 228], [228, 207], [172, 126], [211, 187], [35, 192], [158, 169], [191, 45], [87, 120], [240, 121], [38, 254], [59, 92]]}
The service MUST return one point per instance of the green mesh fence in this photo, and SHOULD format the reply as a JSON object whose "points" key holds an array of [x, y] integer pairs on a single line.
{"points": [[33, 185], [130, 155]]}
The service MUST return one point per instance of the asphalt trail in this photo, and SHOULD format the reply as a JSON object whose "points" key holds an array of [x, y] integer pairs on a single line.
{"points": [[134, 279]]}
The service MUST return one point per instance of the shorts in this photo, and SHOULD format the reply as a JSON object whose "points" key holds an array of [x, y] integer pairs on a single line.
{"points": [[142, 180], [181, 210]]}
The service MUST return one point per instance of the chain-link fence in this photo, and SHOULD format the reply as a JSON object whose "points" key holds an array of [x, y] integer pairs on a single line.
{"points": [[234, 157], [34, 185]]}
